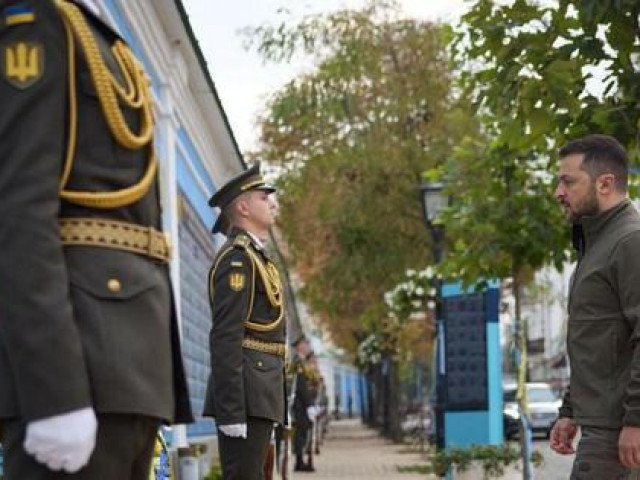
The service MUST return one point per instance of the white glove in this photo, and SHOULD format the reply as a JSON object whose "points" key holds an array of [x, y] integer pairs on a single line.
{"points": [[312, 412], [63, 442], [234, 430]]}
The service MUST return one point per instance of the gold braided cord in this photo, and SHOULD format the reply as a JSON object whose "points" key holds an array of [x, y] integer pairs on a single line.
{"points": [[271, 279], [136, 94], [104, 81], [129, 92], [73, 109], [273, 348], [119, 198], [265, 327]]}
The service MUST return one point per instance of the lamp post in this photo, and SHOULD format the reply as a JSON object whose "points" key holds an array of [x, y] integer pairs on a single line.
{"points": [[433, 203]]}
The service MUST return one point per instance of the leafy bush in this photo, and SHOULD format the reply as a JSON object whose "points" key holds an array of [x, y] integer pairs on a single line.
{"points": [[214, 474], [493, 459]]}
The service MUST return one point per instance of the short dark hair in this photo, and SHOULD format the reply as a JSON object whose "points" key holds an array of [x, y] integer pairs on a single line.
{"points": [[602, 154]]}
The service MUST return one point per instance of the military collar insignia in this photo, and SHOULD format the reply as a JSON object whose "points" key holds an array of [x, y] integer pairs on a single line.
{"points": [[241, 240]]}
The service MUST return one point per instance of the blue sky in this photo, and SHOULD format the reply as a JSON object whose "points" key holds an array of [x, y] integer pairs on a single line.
{"points": [[242, 79]]}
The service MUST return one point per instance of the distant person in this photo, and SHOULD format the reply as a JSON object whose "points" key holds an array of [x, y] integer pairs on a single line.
{"points": [[303, 408], [246, 390], [603, 399]]}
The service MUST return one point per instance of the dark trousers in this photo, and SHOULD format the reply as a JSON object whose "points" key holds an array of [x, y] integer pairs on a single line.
{"points": [[124, 449], [300, 438], [597, 457], [243, 458]]}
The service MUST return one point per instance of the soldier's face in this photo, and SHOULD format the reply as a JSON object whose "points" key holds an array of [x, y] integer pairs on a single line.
{"points": [[303, 348], [262, 208]]}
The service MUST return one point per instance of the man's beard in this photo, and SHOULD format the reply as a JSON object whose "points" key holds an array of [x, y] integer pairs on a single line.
{"points": [[588, 207]]}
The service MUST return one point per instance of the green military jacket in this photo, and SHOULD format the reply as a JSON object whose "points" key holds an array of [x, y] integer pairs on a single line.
{"points": [[305, 391], [80, 325], [604, 321], [246, 380]]}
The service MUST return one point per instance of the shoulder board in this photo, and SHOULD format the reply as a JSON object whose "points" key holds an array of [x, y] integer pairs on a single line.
{"points": [[242, 241]]}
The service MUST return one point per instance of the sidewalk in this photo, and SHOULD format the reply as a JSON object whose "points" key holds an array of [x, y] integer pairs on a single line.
{"points": [[353, 452]]}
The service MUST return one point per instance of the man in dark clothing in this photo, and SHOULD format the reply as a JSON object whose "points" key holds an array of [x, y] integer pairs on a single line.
{"points": [[246, 391], [90, 359], [604, 313]]}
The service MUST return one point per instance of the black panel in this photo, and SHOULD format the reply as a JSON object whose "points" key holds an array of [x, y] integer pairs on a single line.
{"points": [[466, 352]]}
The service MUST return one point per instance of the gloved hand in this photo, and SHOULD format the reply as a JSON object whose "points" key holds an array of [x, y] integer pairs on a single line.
{"points": [[63, 442], [312, 412], [234, 430]]}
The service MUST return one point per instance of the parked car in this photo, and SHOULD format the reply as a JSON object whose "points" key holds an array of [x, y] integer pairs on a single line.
{"points": [[542, 403], [510, 411]]}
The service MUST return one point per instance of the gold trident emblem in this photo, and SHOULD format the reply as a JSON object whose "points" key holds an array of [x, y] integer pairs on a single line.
{"points": [[23, 64], [236, 281]]}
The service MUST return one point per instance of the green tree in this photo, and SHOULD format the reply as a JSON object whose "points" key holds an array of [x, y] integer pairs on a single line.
{"points": [[352, 138], [534, 71], [546, 72], [540, 74]]}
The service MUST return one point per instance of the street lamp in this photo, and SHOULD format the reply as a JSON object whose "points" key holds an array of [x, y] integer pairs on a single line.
{"points": [[434, 201]]}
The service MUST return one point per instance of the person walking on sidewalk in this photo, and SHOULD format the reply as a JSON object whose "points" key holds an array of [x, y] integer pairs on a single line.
{"points": [[90, 361], [246, 391], [603, 399]]}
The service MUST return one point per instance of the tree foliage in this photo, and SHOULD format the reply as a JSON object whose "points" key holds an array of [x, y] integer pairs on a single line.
{"points": [[352, 138], [538, 74], [546, 72]]}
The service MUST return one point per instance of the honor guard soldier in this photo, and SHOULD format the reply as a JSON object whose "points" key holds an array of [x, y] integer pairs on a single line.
{"points": [[90, 363], [312, 375], [304, 410], [246, 392]]}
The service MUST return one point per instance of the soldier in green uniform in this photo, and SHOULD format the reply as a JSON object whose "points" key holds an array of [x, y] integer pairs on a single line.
{"points": [[246, 392], [312, 374], [90, 363], [303, 408]]}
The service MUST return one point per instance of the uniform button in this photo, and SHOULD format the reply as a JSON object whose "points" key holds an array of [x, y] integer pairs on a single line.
{"points": [[259, 363], [114, 285]]}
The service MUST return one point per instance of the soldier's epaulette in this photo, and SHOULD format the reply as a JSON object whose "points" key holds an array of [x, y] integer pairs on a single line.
{"points": [[242, 241]]}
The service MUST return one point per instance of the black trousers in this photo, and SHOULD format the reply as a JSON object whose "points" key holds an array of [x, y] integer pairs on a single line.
{"points": [[301, 437], [243, 458], [124, 449]]}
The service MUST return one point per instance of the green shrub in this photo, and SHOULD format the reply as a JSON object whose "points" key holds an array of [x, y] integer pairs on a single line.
{"points": [[214, 474], [493, 460]]}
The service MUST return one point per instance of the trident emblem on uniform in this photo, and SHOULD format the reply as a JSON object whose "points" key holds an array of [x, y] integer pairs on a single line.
{"points": [[23, 64], [236, 281]]}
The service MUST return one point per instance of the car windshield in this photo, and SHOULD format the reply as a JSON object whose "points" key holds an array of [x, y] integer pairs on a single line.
{"points": [[540, 394]]}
